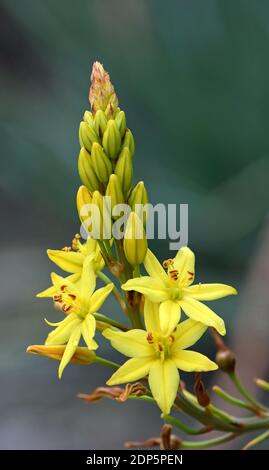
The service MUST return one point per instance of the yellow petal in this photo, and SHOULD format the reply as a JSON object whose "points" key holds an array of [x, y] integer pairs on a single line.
{"points": [[133, 369], [99, 296], [201, 313], [152, 316], [69, 261], [164, 382], [130, 343], [184, 262], [88, 331], [209, 291], [154, 267], [70, 349], [191, 361], [57, 281], [187, 333], [88, 278], [152, 288], [169, 316], [62, 333]]}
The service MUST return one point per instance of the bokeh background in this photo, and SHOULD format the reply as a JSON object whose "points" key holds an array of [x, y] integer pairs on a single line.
{"points": [[193, 78]]}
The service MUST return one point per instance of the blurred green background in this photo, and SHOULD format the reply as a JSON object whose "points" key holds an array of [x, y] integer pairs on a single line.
{"points": [[193, 79]]}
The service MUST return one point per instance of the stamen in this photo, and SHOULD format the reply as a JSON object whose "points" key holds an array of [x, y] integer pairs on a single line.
{"points": [[167, 263], [150, 338], [160, 347], [72, 296], [174, 274], [191, 275], [67, 248], [75, 242]]}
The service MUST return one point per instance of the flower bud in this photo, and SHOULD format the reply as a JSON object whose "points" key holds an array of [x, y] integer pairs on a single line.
{"points": [[128, 141], [121, 122], [83, 199], [102, 94], [114, 191], [80, 356], [86, 171], [102, 219], [101, 163], [87, 136], [124, 170], [226, 360], [100, 122], [112, 139], [139, 196], [135, 243], [88, 117]]}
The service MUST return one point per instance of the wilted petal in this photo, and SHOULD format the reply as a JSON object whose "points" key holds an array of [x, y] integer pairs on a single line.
{"points": [[164, 382]]}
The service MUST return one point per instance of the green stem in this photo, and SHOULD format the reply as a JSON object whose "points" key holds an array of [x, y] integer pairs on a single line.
{"points": [[109, 321], [231, 399], [201, 414], [257, 440], [220, 414], [115, 291], [207, 443], [136, 272], [262, 384], [183, 427], [244, 392], [106, 362]]}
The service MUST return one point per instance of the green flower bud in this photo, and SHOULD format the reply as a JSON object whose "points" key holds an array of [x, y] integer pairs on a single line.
{"points": [[86, 171], [114, 191], [87, 136], [112, 139], [88, 117], [100, 122], [139, 196], [101, 163], [121, 122], [128, 141], [103, 229], [135, 242], [124, 170]]}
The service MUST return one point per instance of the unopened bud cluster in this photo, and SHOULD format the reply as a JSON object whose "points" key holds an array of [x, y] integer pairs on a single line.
{"points": [[105, 161]]}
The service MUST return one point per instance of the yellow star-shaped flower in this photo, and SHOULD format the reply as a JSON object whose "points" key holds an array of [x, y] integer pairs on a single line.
{"points": [[80, 303], [72, 261], [173, 290], [159, 355]]}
